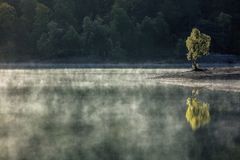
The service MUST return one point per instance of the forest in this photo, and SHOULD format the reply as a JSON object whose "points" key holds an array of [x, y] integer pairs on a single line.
{"points": [[117, 30]]}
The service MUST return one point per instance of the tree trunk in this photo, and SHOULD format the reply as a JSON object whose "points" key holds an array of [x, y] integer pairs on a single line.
{"points": [[195, 66]]}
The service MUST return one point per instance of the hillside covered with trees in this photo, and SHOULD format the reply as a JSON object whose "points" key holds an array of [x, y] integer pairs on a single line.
{"points": [[113, 29]]}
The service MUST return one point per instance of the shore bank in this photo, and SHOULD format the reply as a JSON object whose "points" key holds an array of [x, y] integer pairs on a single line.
{"points": [[224, 78]]}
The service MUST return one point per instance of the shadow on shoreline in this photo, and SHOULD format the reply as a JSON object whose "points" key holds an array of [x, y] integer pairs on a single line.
{"points": [[226, 73]]}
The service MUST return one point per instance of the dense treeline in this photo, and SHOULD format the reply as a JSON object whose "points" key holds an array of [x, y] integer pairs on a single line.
{"points": [[114, 29]]}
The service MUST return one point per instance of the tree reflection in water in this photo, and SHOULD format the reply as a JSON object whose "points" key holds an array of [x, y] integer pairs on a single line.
{"points": [[197, 111]]}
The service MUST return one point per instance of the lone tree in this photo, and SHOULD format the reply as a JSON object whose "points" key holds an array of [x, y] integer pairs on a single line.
{"points": [[198, 45]]}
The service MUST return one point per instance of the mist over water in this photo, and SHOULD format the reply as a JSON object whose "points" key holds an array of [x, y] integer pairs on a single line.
{"points": [[111, 115]]}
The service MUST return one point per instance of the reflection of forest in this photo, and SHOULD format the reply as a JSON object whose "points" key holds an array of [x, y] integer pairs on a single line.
{"points": [[197, 113]]}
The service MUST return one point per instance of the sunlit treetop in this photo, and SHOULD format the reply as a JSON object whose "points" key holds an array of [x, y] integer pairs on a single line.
{"points": [[198, 45]]}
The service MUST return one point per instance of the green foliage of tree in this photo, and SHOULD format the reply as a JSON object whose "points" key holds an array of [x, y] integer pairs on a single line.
{"points": [[173, 14], [155, 30], [95, 37], [7, 21], [64, 12], [181, 46], [41, 20], [198, 45], [224, 25], [93, 8], [101, 40], [50, 43], [71, 41], [149, 29], [44, 45], [123, 30], [24, 42], [117, 28], [28, 10], [48, 3], [224, 20], [121, 22], [42, 16]]}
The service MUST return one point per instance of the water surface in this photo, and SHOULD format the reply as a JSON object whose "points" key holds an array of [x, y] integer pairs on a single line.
{"points": [[78, 115]]}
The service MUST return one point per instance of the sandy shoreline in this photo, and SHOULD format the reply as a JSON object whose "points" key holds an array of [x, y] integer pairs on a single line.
{"points": [[226, 78]]}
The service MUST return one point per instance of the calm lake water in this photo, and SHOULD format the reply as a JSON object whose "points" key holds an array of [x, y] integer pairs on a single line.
{"points": [[98, 115]]}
